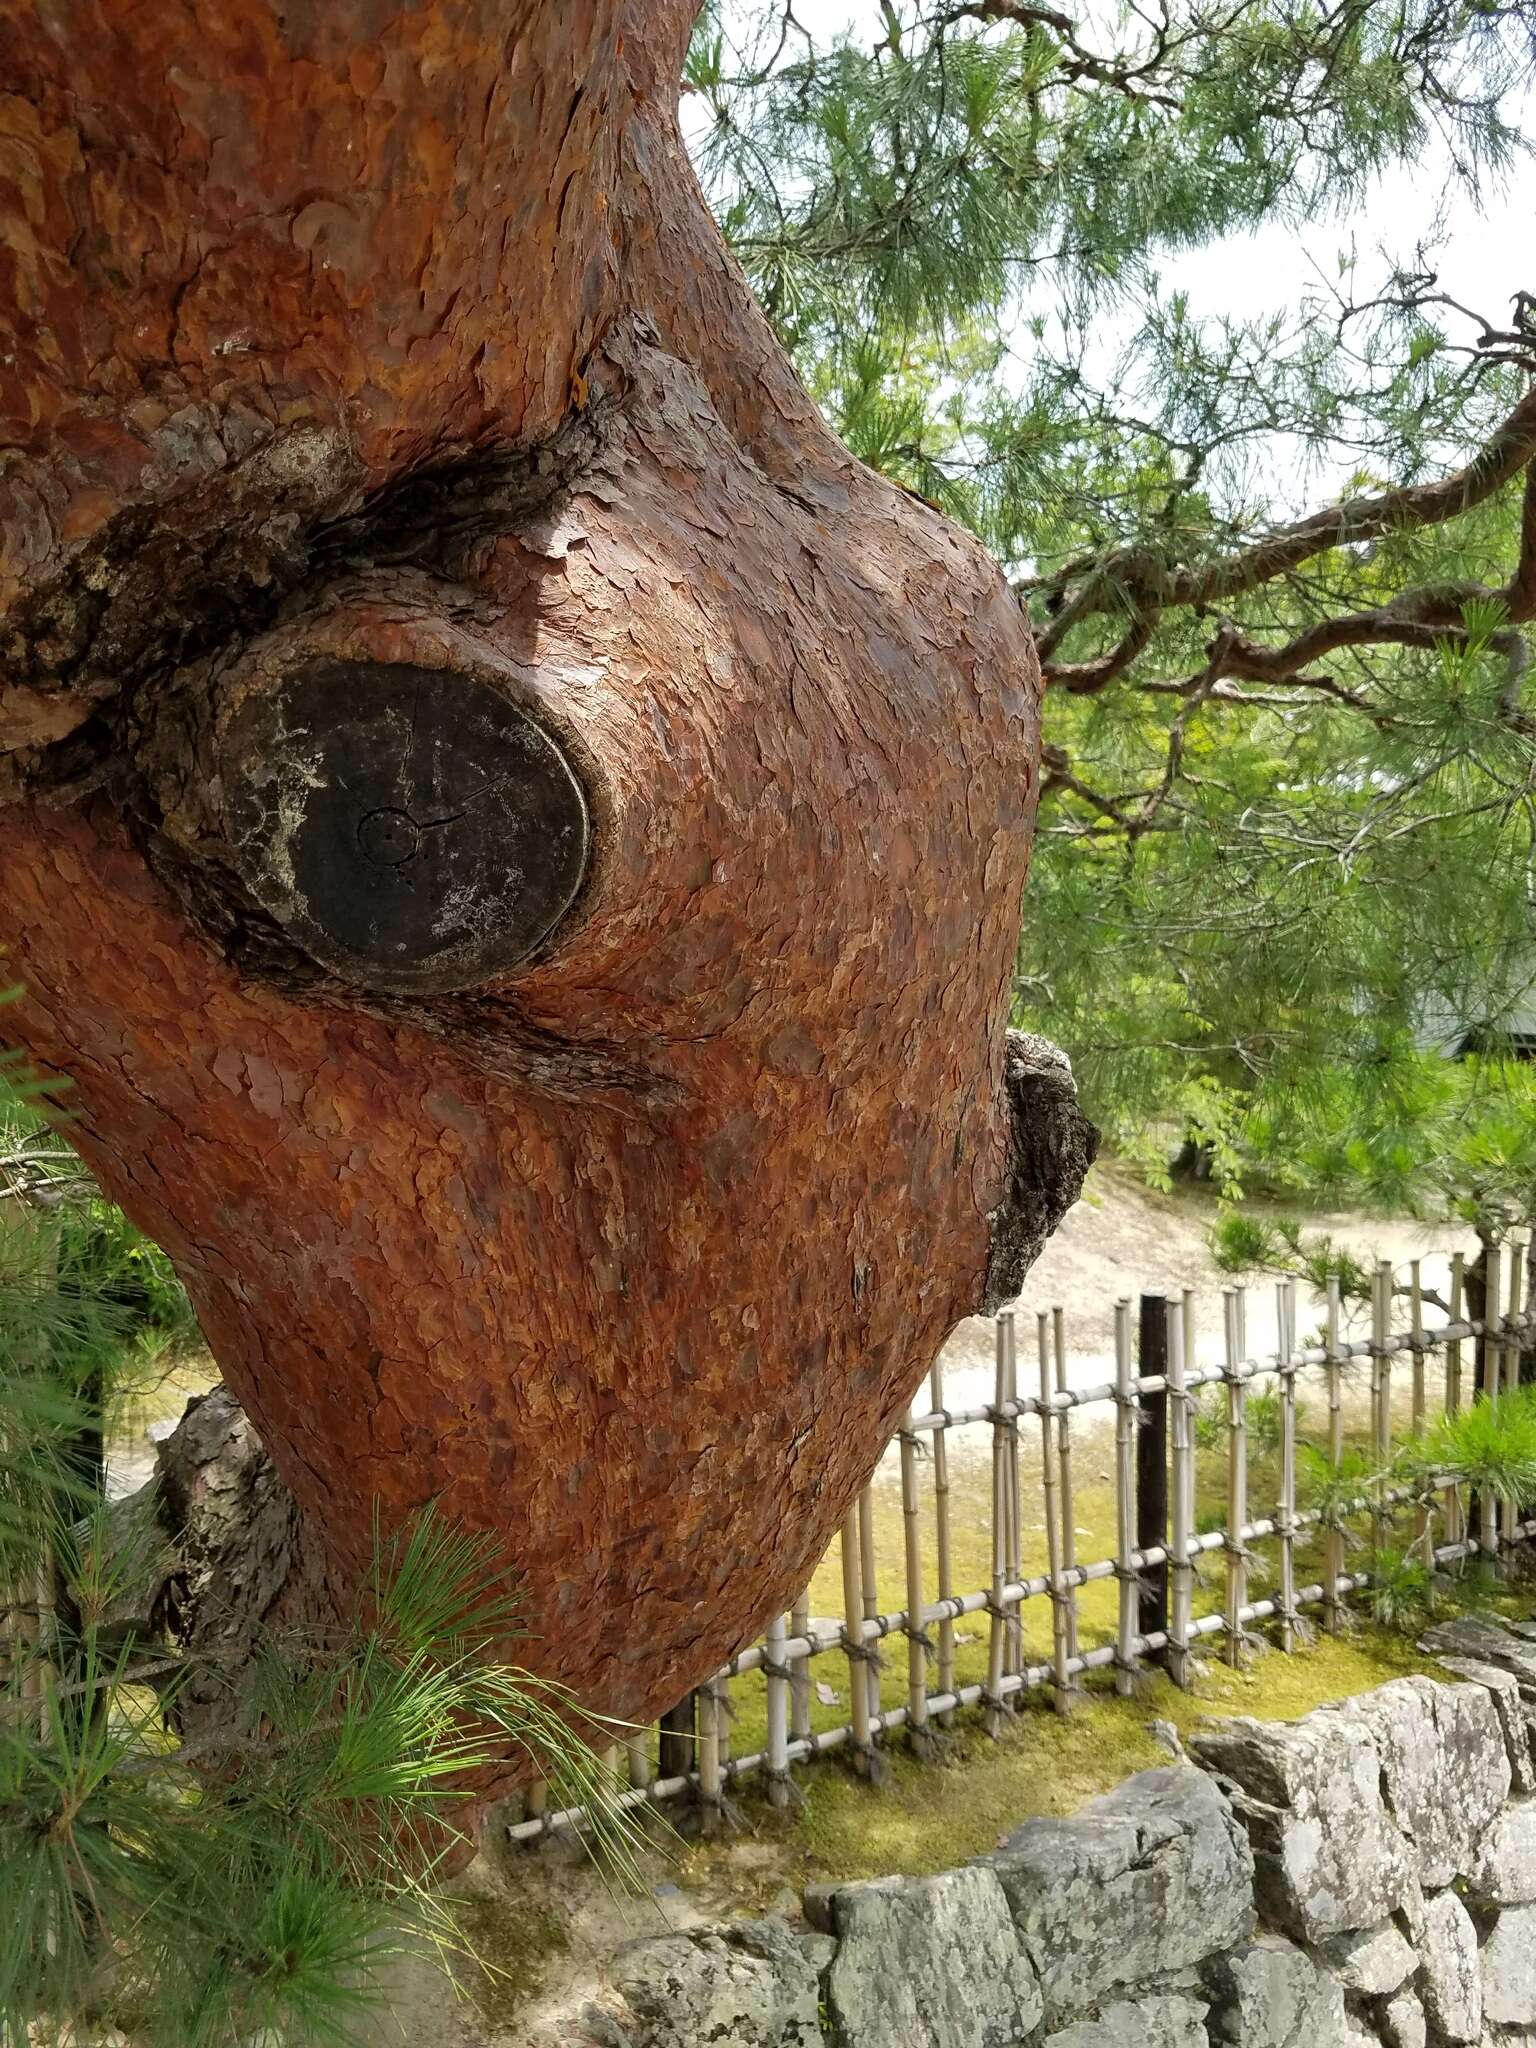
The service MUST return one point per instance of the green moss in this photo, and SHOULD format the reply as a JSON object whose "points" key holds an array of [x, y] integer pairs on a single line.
{"points": [[509, 1941], [930, 1816]]}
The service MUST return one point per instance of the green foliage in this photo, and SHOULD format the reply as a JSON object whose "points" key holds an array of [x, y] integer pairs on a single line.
{"points": [[1332, 1489], [1491, 1445], [1250, 917], [1241, 1242], [1403, 1592], [250, 1882]]}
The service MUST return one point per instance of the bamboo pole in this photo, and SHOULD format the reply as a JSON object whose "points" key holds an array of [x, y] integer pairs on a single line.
{"points": [[1285, 1304], [777, 1766], [998, 1631], [1488, 1508], [1125, 1501], [853, 1642], [1068, 1496], [1237, 1480], [1333, 1535], [800, 1671], [721, 1688], [917, 1641], [1381, 1388], [711, 1780], [1013, 1552], [1181, 1493], [1424, 1518], [1048, 1479], [942, 1555], [1416, 1311], [1454, 1525], [871, 1591], [639, 1757], [1511, 1508], [1152, 1464]]}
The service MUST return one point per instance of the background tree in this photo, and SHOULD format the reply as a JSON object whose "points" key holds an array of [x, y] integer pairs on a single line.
{"points": [[1285, 854]]}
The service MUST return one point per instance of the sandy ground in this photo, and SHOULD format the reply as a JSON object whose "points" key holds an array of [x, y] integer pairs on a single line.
{"points": [[1122, 1240]]}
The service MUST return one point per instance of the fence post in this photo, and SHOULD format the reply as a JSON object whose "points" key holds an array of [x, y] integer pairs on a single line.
{"points": [[870, 1590], [941, 1535], [997, 1634], [1125, 1502], [1068, 1497], [1455, 1530], [711, 1781], [1488, 1509], [800, 1670], [639, 1761], [1237, 1479], [1333, 1535], [1511, 1507], [1181, 1572], [679, 1747], [1048, 1474], [1013, 1548], [1424, 1519], [1285, 1305], [855, 1646], [777, 1773], [1152, 1467], [917, 1639], [1381, 1392]]}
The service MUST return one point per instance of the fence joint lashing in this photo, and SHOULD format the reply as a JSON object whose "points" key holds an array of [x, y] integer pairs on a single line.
{"points": [[1161, 1455]]}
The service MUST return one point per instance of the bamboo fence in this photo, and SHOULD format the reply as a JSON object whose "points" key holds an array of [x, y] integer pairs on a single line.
{"points": [[1157, 1563]]}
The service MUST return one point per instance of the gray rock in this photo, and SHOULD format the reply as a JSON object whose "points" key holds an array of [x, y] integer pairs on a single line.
{"points": [[1402, 2022], [1504, 1690], [600, 2029], [1469, 1635], [743, 1984], [1373, 1964], [1149, 1880], [1509, 1969], [1156, 2022], [1267, 1993], [1354, 2033], [819, 1950], [932, 1962], [1327, 1856], [1503, 1872], [1450, 1982], [1444, 1766]]}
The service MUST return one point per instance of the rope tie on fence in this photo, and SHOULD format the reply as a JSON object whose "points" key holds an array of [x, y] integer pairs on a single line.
{"points": [[1155, 1537]]}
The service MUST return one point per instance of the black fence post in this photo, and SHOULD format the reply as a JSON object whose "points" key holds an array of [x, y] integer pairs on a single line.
{"points": [[679, 1750], [1152, 1468]]}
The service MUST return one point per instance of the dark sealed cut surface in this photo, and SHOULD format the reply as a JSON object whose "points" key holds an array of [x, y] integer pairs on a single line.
{"points": [[411, 828]]}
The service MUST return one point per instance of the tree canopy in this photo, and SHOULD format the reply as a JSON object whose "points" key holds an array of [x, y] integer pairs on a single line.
{"points": [[1281, 567]]}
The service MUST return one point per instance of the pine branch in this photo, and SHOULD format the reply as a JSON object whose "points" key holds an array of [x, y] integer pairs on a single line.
{"points": [[1133, 579]]}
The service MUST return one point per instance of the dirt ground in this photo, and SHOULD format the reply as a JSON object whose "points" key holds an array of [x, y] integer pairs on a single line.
{"points": [[1124, 1239]]}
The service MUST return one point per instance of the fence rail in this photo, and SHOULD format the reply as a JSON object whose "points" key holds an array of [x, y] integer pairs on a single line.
{"points": [[1156, 1462]]}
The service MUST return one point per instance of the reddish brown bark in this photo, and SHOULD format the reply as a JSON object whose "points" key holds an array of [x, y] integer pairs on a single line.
{"points": [[348, 340]]}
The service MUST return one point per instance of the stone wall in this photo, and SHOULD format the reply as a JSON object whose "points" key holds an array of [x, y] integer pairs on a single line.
{"points": [[1362, 1878]]}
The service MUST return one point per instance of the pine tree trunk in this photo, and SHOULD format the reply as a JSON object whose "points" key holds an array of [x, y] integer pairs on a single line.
{"points": [[515, 835]]}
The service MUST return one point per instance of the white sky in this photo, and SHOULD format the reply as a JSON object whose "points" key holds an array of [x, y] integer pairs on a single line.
{"points": [[1490, 252], [1486, 247]]}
